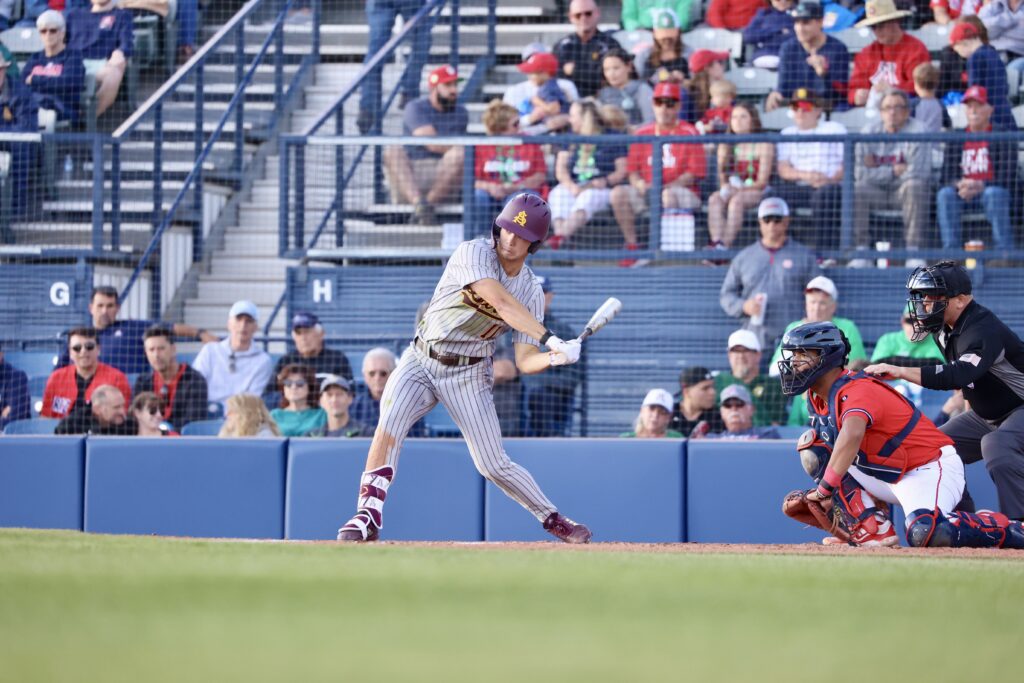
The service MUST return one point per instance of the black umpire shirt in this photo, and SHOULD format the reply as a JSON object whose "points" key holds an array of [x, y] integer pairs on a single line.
{"points": [[985, 359], [587, 73]]}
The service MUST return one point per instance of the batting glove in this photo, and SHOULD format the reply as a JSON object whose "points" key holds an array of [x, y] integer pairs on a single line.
{"points": [[568, 350]]}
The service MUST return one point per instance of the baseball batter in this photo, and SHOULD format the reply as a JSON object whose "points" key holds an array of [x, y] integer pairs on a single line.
{"points": [[485, 291]]}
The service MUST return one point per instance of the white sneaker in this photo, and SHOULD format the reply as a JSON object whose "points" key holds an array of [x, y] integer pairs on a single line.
{"points": [[915, 263], [859, 263]]}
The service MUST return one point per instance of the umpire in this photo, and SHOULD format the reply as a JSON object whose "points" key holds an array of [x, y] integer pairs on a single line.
{"points": [[985, 359]]}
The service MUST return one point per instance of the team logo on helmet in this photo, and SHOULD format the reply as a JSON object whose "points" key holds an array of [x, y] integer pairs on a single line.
{"points": [[520, 218]]}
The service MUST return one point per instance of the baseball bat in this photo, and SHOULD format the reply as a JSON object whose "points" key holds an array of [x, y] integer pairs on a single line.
{"points": [[602, 316]]}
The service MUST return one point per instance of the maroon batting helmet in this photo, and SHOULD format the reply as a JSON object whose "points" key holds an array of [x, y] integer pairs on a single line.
{"points": [[526, 215]]}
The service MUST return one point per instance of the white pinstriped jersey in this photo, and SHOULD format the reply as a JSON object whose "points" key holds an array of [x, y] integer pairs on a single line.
{"points": [[460, 322]]}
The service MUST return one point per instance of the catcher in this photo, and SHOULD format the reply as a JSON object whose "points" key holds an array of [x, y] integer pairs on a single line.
{"points": [[880, 447]]}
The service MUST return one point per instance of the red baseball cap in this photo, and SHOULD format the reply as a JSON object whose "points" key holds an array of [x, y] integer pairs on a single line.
{"points": [[667, 89], [443, 74], [977, 93], [963, 31], [702, 59], [540, 62]]}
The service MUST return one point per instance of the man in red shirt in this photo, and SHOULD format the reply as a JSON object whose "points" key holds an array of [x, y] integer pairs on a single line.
{"points": [[682, 166], [73, 384], [885, 444], [733, 14], [890, 60]]}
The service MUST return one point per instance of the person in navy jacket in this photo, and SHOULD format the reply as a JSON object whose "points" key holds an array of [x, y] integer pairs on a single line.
{"points": [[102, 32], [813, 60], [15, 403], [18, 114], [767, 31], [984, 68], [55, 74]]}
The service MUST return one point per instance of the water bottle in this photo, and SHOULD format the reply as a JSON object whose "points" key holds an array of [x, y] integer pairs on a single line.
{"points": [[69, 168], [700, 430]]}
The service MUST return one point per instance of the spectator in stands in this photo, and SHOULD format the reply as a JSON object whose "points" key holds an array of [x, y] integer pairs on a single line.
{"points": [[985, 69], [732, 14], [122, 340], [148, 416], [647, 13], [580, 54], [812, 60], [235, 365], [247, 415], [336, 396], [928, 110], [812, 171], [503, 170], [15, 402], [548, 105], [1004, 21], [718, 115], [6, 14], [102, 32], [890, 60], [623, 90], [738, 414], [655, 415], [300, 412], [8, 59], [55, 74], [683, 166], [978, 175], [664, 60], [586, 174], [18, 114], [770, 405], [744, 171], [425, 175], [549, 395], [694, 414], [899, 348], [104, 415], [766, 279], [706, 67], [380, 17], [74, 384], [767, 31], [378, 364], [308, 337], [181, 390], [508, 388], [947, 11], [893, 175], [521, 95]]}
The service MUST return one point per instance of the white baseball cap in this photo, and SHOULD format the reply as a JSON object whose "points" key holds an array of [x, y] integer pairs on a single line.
{"points": [[736, 391], [823, 284], [744, 338], [773, 206], [244, 307], [659, 397]]}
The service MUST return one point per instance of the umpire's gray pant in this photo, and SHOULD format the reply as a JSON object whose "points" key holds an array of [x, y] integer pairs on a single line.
{"points": [[1002, 448]]}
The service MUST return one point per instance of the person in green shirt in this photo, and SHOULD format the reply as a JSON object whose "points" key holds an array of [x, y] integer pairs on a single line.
{"points": [[770, 405], [299, 413], [896, 348], [642, 13], [655, 414]]}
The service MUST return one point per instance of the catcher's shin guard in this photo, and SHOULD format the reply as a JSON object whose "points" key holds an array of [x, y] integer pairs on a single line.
{"points": [[983, 529], [366, 524], [868, 524]]}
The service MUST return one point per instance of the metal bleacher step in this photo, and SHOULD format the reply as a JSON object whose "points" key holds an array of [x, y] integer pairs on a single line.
{"points": [[251, 244], [368, 234], [265, 267], [227, 291]]}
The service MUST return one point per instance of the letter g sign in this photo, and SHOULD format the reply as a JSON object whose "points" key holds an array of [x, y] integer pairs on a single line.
{"points": [[60, 294]]}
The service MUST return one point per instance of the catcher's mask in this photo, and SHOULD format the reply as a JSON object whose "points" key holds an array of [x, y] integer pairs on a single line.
{"points": [[831, 349], [526, 215], [939, 282]]}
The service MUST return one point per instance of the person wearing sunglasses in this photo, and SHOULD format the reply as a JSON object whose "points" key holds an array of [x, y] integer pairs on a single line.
{"points": [[580, 54], [71, 388], [299, 413], [378, 364], [55, 74], [148, 416]]}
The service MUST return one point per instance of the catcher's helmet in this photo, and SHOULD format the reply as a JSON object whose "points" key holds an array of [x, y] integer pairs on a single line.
{"points": [[526, 215], [825, 338], [941, 281]]}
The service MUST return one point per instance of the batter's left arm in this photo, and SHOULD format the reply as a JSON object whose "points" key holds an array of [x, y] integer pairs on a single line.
{"points": [[516, 315], [845, 450]]}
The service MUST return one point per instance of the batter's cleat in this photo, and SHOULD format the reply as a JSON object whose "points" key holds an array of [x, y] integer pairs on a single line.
{"points": [[359, 529], [566, 530]]}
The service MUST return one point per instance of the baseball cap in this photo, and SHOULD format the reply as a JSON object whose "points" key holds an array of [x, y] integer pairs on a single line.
{"points": [[443, 74], [666, 19], [337, 381], [540, 62], [807, 10], [667, 89], [693, 375], [977, 93], [702, 59], [962, 31], [773, 206], [805, 99], [244, 307], [737, 392], [823, 284], [304, 319], [659, 397], [531, 49], [744, 338]]}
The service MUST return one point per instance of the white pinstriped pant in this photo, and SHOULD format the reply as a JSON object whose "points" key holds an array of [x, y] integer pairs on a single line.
{"points": [[416, 386]]}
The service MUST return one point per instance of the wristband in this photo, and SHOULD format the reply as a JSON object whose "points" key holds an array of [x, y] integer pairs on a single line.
{"points": [[544, 337], [829, 482]]}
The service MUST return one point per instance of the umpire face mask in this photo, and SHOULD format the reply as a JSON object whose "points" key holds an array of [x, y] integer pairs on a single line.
{"points": [[926, 312]]}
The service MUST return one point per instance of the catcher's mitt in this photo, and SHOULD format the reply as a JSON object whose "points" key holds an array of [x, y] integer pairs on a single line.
{"points": [[821, 514]]}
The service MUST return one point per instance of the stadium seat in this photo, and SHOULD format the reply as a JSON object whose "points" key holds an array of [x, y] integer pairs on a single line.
{"points": [[32, 363], [854, 119], [715, 39], [33, 425], [777, 119], [634, 42], [855, 39], [934, 36], [202, 428], [753, 82]]}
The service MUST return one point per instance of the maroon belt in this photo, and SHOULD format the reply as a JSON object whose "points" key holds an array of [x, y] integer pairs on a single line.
{"points": [[447, 359]]}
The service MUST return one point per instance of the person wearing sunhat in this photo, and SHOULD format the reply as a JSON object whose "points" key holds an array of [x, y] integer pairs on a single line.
{"points": [[647, 13], [426, 175], [767, 31], [811, 59], [890, 60], [984, 68], [655, 415]]}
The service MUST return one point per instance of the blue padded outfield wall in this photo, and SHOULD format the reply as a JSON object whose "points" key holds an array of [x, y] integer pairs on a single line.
{"points": [[625, 490]]}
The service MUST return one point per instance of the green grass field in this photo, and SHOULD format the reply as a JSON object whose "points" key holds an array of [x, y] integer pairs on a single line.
{"points": [[76, 607]]}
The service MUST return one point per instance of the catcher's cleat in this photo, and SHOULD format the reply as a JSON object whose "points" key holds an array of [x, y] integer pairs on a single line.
{"points": [[566, 530], [359, 529], [876, 532]]}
